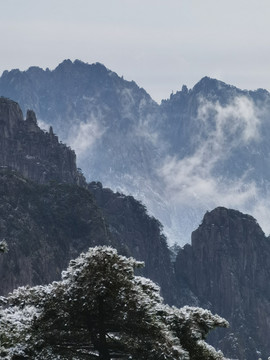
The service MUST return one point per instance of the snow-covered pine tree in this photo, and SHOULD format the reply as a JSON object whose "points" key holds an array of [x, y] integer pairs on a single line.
{"points": [[3, 246], [100, 309]]}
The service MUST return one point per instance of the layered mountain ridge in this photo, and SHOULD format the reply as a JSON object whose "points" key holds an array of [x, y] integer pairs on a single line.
{"points": [[225, 268], [201, 148]]}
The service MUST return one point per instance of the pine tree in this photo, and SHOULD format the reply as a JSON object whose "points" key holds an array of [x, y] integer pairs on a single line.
{"points": [[3, 246], [100, 309]]}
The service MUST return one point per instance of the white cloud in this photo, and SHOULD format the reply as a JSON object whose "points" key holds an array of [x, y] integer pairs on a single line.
{"points": [[261, 211], [83, 137], [226, 127], [192, 182], [144, 130], [43, 125]]}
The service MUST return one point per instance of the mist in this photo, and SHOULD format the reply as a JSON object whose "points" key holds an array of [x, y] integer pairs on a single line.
{"points": [[198, 181]]}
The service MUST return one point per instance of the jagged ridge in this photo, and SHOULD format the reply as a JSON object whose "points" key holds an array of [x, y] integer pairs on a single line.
{"points": [[36, 154]]}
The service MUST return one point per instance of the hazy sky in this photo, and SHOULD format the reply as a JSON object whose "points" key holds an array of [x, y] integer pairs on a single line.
{"points": [[160, 44]]}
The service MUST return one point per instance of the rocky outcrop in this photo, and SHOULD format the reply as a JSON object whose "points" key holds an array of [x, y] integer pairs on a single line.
{"points": [[36, 154], [227, 269]]}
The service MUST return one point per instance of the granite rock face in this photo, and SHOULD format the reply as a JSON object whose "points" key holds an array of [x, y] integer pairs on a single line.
{"points": [[36, 154], [227, 269]]}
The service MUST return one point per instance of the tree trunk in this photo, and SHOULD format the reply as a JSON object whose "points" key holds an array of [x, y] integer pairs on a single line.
{"points": [[103, 350]]}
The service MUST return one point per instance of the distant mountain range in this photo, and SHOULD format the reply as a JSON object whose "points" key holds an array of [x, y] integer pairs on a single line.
{"points": [[203, 147]]}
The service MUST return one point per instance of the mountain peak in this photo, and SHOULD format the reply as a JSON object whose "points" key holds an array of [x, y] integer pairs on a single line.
{"points": [[227, 269], [65, 63], [219, 214], [68, 65], [207, 83], [220, 221], [10, 115], [36, 154]]}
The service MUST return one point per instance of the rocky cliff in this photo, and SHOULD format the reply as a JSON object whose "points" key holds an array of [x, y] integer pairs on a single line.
{"points": [[47, 219], [36, 154], [227, 269]]}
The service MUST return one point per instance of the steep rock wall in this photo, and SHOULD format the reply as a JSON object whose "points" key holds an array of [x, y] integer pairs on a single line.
{"points": [[227, 267]]}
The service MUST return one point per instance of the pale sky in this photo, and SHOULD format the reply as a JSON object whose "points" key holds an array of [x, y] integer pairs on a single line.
{"points": [[160, 44]]}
